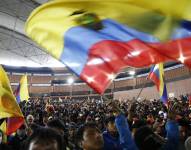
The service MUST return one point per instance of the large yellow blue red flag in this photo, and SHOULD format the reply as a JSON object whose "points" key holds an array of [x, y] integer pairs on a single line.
{"points": [[157, 76], [97, 38], [21, 93], [3, 128], [9, 109]]}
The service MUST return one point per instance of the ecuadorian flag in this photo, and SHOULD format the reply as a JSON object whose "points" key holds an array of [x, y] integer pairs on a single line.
{"points": [[96, 39], [10, 112], [21, 93], [157, 76]]}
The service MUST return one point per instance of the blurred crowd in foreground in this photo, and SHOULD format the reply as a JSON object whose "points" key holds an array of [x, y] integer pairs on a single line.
{"points": [[102, 125]]}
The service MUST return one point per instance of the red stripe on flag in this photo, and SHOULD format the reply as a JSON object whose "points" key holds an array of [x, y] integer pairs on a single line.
{"points": [[155, 79], [13, 124], [117, 55]]}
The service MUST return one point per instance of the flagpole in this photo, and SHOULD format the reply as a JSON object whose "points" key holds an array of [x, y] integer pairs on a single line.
{"points": [[141, 89]]}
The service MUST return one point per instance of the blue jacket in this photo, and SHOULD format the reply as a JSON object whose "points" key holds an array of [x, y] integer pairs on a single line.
{"points": [[125, 137], [172, 135], [110, 142]]}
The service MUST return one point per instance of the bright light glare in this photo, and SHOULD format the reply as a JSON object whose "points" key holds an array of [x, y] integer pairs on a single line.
{"points": [[111, 76], [132, 72], [135, 53], [70, 81], [181, 58]]}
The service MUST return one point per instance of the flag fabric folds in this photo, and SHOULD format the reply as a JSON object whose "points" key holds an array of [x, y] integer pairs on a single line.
{"points": [[3, 128], [21, 93], [96, 39], [157, 76], [9, 109]]}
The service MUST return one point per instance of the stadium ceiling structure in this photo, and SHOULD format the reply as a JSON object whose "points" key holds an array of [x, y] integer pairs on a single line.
{"points": [[15, 48]]}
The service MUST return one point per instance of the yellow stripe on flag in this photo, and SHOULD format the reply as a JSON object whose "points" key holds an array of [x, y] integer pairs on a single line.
{"points": [[161, 76], [8, 103], [24, 94], [48, 23], [3, 128]]}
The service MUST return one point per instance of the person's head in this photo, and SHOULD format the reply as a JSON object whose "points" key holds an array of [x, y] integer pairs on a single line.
{"points": [[146, 139], [30, 119], [88, 119], [44, 139], [57, 125], [110, 126], [45, 119], [71, 130], [89, 137], [136, 125], [188, 143]]}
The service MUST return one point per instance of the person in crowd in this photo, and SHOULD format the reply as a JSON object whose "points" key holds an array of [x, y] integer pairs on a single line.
{"points": [[44, 139], [146, 139], [111, 136], [89, 137], [3, 145], [71, 136], [18, 141], [30, 120], [137, 118], [59, 127]]}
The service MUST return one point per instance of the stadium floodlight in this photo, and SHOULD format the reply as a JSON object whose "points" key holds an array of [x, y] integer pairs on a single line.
{"points": [[132, 72], [70, 80]]}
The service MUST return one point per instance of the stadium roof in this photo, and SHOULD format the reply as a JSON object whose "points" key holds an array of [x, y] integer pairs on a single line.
{"points": [[15, 48]]}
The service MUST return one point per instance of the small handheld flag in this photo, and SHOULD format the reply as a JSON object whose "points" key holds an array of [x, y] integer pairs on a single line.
{"points": [[157, 76], [21, 93]]}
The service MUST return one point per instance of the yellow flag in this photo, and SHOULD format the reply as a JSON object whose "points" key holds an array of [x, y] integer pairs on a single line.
{"points": [[4, 80], [8, 104], [3, 128], [48, 23], [24, 94]]}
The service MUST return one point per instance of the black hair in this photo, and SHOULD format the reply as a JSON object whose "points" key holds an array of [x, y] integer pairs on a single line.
{"points": [[146, 139], [80, 132], [56, 123], [34, 126], [139, 123], [45, 135], [110, 119]]}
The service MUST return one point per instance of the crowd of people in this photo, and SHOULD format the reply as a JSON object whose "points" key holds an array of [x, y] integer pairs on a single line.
{"points": [[102, 125]]}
